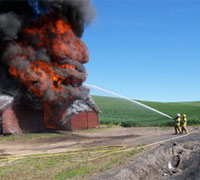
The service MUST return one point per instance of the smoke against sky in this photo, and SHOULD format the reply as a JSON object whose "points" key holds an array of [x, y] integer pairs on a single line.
{"points": [[18, 14]]}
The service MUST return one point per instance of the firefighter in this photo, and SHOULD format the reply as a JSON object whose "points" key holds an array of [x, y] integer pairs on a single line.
{"points": [[177, 124], [184, 124]]}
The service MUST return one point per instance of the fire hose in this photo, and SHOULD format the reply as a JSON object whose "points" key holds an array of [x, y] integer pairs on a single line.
{"points": [[97, 151], [100, 150]]}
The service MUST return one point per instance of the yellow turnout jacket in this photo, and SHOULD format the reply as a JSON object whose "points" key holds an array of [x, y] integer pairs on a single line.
{"points": [[184, 122], [177, 121]]}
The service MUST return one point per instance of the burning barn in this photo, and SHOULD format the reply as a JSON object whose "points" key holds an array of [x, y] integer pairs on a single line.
{"points": [[16, 118], [41, 61]]}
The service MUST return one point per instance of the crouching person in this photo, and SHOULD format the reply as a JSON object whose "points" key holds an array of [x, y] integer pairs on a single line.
{"points": [[184, 125]]}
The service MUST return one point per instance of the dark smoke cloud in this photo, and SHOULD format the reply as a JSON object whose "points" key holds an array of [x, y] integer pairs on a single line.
{"points": [[10, 25], [15, 15], [78, 12]]}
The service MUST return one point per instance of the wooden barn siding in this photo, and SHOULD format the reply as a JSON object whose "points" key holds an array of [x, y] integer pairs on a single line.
{"points": [[79, 121], [10, 122], [93, 120], [83, 121], [18, 119], [53, 118]]}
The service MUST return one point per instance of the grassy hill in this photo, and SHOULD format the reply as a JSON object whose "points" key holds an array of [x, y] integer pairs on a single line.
{"points": [[122, 112]]}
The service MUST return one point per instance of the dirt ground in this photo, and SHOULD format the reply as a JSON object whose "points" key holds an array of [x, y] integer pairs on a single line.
{"points": [[82, 139], [168, 156], [174, 159]]}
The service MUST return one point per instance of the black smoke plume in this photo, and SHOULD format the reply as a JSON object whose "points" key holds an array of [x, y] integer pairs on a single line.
{"points": [[15, 17]]}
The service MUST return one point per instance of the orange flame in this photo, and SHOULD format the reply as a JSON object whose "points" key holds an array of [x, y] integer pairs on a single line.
{"points": [[60, 42]]}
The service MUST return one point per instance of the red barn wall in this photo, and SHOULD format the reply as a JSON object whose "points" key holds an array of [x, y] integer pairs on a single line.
{"points": [[82, 121], [79, 121], [93, 120], [53, 118], [17, 119], [10, 122]]}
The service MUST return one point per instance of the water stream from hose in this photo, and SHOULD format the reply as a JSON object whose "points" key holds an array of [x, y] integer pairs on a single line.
{"points": [[124, 97]]}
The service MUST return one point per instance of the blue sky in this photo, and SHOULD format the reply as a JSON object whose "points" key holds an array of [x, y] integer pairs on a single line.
{"points": [[146, 49]]}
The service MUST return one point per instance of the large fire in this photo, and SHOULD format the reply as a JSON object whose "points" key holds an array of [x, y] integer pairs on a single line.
{"points": [[55, 77], [57, 37], [42, 54]]}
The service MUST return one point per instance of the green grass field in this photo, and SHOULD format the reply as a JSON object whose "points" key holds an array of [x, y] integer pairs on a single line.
{"points": [[119, 111], [64, 166]]}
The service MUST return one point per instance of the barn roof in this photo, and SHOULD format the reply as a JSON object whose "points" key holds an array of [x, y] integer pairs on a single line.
{"points": [[80, 106], [92, 104], [5, 100]]}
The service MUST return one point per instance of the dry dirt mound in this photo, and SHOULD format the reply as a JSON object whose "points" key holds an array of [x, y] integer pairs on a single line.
{"points": [[175, 160]]}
